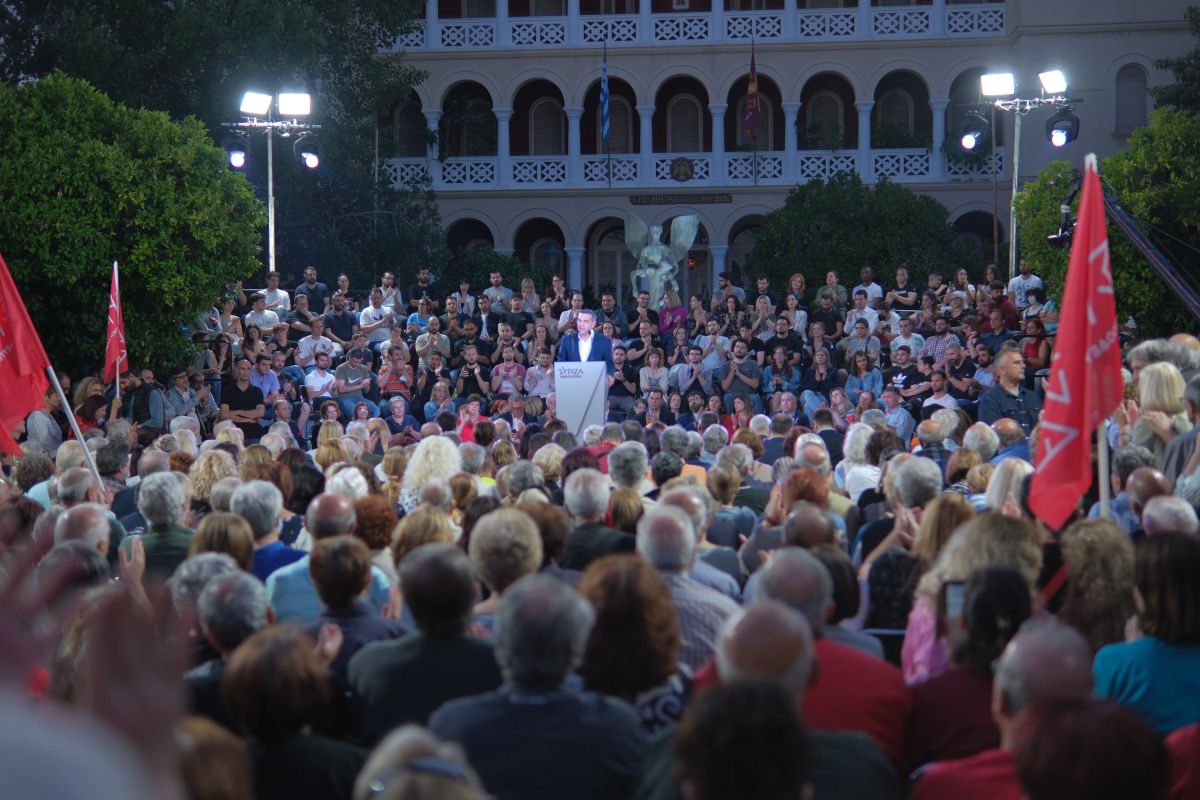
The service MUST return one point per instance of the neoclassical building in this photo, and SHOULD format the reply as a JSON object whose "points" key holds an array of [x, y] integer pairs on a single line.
{"points": [[507, 124]]}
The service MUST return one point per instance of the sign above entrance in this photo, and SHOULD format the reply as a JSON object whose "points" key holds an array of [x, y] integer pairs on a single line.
{"points": [[679, 199]]}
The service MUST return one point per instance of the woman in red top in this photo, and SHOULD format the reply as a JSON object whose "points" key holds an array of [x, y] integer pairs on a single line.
{"points": [[743, 410], [1036, 349]]}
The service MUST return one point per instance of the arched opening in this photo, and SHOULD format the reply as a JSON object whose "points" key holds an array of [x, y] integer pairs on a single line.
{"points": [[538, 126], [979, 229], [827, 120], [1130, 99], [466, 9], [901, 116], [468, 234], [609, 262], [742, 237], [402, 131], [467, 126], [540, 242], [537, 8], [622, 119], [682, 121], [770, 118]]}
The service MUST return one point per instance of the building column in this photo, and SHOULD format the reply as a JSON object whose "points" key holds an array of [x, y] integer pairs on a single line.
{"points": [[937, 18], [716, 24], [433, 164], [433, 36], [645, 23], [646, 145], [717, 169], [574, 146], [866, 165], [789, 20], [574, 24], [937, 153], [791, 140], [503, 29], [862, 22], [575, 268], [503, 148], [718, 253]]}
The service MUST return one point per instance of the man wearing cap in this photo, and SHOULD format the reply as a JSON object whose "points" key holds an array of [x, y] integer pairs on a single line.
{"points": [[353, 379]]}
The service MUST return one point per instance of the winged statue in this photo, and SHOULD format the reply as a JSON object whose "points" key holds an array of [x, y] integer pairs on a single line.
{"points": [[658, 262]]}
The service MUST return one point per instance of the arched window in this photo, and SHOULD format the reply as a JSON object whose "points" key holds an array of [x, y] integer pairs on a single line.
{"points": [[548, 8], [684, 125], [478, 8], [620, 126], [896, 106], [825, 111], [766, 127], [547, 134], [408, 130], [1131, 98], [546, 253]]}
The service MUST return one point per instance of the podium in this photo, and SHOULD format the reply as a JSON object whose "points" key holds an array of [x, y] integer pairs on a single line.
{"points": [[581, 389]]}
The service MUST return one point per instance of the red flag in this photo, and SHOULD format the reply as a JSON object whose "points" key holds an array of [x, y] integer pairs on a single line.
{"points": [[23, 363], [1085, 372], [753, 99], [116, 359]]}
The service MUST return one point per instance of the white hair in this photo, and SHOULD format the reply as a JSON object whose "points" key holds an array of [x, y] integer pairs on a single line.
{"points": [[665, 538], [591, 435], [982, 439], [809, 438], [761, 424], [273, 442], [1169, 514], [434, 457], [1006, 480], [854, 450], [348, 481]]}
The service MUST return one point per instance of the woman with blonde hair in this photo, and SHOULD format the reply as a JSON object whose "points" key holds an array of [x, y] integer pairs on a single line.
{"points": [[1098, 557], [503, 453], [987, 540], [251, 458], [422, 526], [223, 532], [209, 468], [1005, 481], [1162, 414], [329, 453], [625, 508], [395, 461], [434, 457], [329, 431], [672, 314], [549, 458]]}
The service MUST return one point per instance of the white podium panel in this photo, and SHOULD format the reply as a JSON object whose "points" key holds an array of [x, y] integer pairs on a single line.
{"points": [[581, 389]]}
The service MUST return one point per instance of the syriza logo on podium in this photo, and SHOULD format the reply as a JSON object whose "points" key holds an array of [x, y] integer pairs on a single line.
{"points": [[581, 389]]}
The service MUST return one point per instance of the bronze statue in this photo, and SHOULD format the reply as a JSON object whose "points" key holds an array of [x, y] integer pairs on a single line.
{"points": [[657, 262]]}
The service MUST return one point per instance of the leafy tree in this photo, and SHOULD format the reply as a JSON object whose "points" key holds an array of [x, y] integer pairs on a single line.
{"points": [[478, 263], [1157, 180], [88, 181], [196, 58], [844, 224], [1184, 94]]}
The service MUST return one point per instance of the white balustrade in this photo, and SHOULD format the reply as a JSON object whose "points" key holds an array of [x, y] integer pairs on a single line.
{"points": [[900, 22], [680, 28], [674, 167], [900, 165], [402, 173], [824, 164], [598, 169], [975, 21], [469, 172], [538, 32], [457, 35], [981, 169], [762, 26], [539, 170], [749, 167], [825, 24], [614, 30]]}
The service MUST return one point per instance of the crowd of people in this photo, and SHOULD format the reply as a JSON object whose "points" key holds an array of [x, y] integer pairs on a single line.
{"points": [[353, 551]]}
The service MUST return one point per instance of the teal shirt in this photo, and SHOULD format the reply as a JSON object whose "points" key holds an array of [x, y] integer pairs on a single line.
{"points": [[1159, 680]]}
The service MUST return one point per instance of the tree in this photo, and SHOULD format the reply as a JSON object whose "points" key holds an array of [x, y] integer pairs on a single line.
{"points": [[844, 224], [1157, 180], [478, 263], [88, 181], [1184, 94], [195, 58]]}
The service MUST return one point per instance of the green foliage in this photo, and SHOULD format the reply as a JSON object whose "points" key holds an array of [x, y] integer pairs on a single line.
{"points": [[888, 135], [196, 58], [88, 181], [476, 264], [1184, 94], [843, 225], [1157, 180], [822, 136]]}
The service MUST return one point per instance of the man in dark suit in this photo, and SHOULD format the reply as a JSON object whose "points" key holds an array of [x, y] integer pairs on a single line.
{"points": [[781, 426], [586, 499], [406, 679], [538, 738], [487, 320], [587, 344], [823, 425]]}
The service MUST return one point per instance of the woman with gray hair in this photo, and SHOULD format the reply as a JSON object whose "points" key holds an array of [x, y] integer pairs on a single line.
{"points": [[855, 473], [505, 546], [413, 764]]}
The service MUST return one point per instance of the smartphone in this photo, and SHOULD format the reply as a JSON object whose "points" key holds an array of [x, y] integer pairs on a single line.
{"points": [[954, 593]]}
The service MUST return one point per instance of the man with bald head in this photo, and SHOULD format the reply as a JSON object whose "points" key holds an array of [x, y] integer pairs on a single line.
{"points": [[78, 486], [814, 454], [86, 522], [933, 438], [1144, 484], [1009, 397], [1013, 441], [806, 525], [1045, 660], [290, 589], [1125, 459], [852, 691], [440, 657]]}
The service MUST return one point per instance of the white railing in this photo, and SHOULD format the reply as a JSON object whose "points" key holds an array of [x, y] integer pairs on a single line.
{"points": [[688, 28], [907, 165], [899, 165], [751, 168], [539, 170], [622, 169]]}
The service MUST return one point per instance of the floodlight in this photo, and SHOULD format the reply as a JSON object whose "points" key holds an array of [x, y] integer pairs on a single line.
{"points": [[973, 131], [308, 151], [235, 147], [1062, 127], [998, 84], [256, 104], [1053, 82], [295, 104]]}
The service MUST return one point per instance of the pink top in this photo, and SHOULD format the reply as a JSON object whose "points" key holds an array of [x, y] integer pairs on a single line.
{"points": [[671, 318], [924, 654]]}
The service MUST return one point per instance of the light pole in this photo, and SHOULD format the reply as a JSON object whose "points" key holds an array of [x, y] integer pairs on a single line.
{"points": [[259, 111], [1062, 128]]}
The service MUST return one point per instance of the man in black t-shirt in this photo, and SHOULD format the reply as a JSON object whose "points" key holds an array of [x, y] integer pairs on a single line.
{"points": [[902, 374], [521, 321], [788, 339], [473, 377], [762, 288], [242, 403], [960, 374], [483, 350], [625, 382], [423, 288], [641, 311], [825, 315]]}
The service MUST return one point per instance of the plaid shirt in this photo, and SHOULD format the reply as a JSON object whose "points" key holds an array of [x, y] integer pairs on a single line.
{"points": [[702, 611], [936, 346]]}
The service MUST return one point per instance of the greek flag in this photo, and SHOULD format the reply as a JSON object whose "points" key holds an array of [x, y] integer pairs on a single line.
{"points": [[605, 128]]}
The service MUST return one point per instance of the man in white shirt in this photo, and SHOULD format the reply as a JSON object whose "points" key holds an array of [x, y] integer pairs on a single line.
{"points": [[390, 292], [320, 384], [713, 349], [277, 299], [315, 343], [866, 277], [914, 341], [375, 320], [862, 310], [941, 396], [1021, 284], [260, 316]]}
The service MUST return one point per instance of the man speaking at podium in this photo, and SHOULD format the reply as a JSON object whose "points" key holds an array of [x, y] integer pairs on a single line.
{"points": [[587, 344]]}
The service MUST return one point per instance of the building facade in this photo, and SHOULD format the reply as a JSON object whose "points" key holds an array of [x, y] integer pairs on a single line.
{"points": [[507, 126]]}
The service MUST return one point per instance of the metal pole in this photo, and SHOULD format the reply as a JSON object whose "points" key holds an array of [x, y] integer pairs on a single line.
{"points": [[270, 202], [995, 195], [66, 407], [1102, 457], [1012, 216]]}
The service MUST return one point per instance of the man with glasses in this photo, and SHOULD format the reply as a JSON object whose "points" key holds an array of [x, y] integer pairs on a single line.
{"points": [[396, 377], [390, 292]]}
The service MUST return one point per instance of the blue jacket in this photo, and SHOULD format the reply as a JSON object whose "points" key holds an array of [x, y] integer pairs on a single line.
{"points": [[568, 350]]}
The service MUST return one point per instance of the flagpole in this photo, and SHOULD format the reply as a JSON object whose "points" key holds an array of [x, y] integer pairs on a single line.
{"points": [[66, 407], [607, 148], [1102, 458], [117, 378]]}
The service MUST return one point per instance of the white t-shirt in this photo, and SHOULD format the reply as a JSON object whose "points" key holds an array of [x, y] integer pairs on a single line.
{"points": [[369, 316], [280, 297], [308, 346], [266, 321], [874, 292], [319, 384], [945, 401], [1019, 286]]}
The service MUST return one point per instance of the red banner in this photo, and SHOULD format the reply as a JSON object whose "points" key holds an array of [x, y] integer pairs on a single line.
{"points": [[116, 359], [1085, 372], [750, 119], [23, 363]]}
